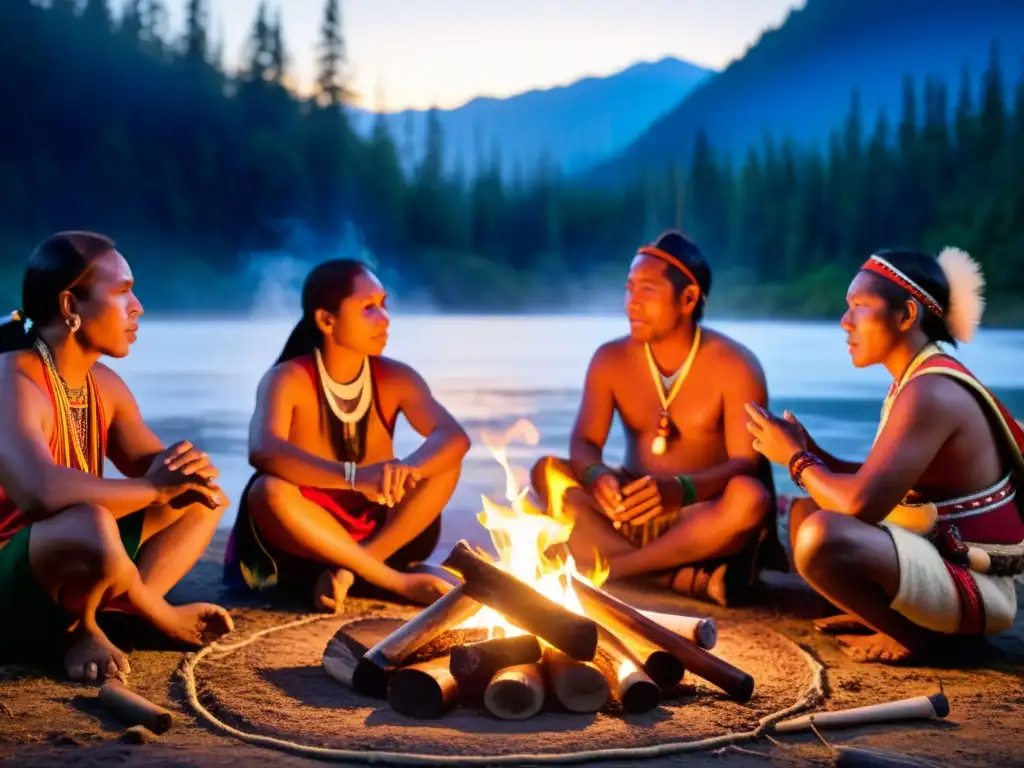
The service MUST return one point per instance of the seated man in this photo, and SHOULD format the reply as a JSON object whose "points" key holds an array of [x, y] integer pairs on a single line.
{"points": [[911, 566], [329, 500], [688, 500], [71, 541]]}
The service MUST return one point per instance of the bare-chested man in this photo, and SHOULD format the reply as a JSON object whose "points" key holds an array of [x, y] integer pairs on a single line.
{"points": [[687, 502], [72, 541], [329, 500], [911, 566]]}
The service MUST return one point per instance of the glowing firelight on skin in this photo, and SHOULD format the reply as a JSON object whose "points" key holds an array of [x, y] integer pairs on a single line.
{"points": [[523, 536]]}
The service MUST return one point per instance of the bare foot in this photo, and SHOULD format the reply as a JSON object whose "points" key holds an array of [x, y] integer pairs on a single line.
{"points": [[330, 590], [423, 588], [843, 624], [93, 657], [876, 648], [196, 624]]}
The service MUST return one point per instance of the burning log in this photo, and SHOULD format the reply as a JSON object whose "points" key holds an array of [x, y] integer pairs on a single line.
{"points": [[425, 691], [515, 693], [522, 605], [633, 688], [579, 686], [628, 622], [703, 632], [474, 665], [376, 666]]}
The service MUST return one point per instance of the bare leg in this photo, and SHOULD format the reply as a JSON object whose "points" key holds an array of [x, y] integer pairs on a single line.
{"points": [[418, 510], [78, 558], [844, 623], [855, 566], [704, 531], [304, 529], [173, 540]]}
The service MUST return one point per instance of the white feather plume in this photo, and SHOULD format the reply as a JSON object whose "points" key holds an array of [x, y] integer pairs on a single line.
{"points": [[966, 292]]}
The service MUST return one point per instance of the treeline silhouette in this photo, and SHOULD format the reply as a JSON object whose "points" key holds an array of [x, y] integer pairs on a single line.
{"points": [[114, 124]]}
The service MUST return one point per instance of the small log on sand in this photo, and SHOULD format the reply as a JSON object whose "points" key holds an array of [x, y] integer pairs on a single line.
{"points": [[579, 686], [425, 691], [375, 667], [702, 632], [626, 621], [133, 709], [515, 693], [474, 665], [630, 685], [522, 605]]}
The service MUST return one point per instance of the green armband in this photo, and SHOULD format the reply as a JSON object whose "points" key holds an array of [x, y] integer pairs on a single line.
{"points": [[591, 473], [689, 490]]}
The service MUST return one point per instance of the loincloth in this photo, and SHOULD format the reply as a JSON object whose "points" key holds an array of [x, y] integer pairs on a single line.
{"points": [[252, 562]]}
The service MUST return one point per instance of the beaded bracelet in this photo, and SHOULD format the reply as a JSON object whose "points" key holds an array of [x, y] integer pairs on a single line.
{"points": [[799, 463], [689, 490]]}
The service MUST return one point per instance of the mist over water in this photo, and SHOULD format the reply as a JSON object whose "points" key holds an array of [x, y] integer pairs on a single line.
{"points": [[197, 379]]}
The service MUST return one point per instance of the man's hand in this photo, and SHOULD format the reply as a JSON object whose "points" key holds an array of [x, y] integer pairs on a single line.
{"points": [[608, 493], [776, 439], [647, 498], [386, 482]]}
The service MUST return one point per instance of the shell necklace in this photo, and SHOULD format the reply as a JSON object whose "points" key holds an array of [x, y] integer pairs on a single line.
{"points": [[660, 443], [360, 390]]}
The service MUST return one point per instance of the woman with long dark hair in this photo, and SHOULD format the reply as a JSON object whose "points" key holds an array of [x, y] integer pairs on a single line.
{"points": [[923, 540], [329, 501], [73, 543]]}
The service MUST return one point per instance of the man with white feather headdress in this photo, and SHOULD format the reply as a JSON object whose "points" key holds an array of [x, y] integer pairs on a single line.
{"points": [[923, 540]]}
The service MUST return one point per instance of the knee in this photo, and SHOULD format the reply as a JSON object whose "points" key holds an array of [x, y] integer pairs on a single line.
{"points": [[748, 502], [822, 543], [270, 494], [543, 470], [94, 548]]}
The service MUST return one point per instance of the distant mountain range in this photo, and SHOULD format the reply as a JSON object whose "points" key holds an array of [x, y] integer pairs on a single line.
{"points": [[573, 126], [797, 80]]}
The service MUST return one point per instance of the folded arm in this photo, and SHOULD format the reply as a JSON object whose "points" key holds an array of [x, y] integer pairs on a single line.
{"points": [[446, 441], [37, 485], [270, 450], [919, 425]]}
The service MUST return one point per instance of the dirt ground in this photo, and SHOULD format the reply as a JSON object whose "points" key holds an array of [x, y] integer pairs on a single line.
{"points": [[276, 687]]}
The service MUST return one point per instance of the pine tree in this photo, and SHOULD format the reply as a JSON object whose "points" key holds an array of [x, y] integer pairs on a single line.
{"points": [[278, 55], [992, 128], [331, 88], [260, 47], [196, 21], [96, 13]]}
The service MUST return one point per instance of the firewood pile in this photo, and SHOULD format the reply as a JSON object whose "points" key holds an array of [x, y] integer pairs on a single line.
{"points": [[562, 661]]}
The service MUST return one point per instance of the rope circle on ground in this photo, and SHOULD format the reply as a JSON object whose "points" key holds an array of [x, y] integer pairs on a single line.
{"points": [[813, 696]]}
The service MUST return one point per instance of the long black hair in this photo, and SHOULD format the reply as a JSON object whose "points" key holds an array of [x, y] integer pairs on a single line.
{"points": [[926, 272], [60, 263], [326, 286]]}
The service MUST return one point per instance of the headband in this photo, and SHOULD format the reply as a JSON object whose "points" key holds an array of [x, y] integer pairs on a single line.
{"points": [[668, 258], [880, 266]]}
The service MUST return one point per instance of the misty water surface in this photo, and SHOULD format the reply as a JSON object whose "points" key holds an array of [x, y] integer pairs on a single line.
{"points": [[197, 379]]}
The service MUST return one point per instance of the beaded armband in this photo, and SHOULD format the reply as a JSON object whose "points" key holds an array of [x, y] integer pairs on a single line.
{"points": [[799, 464], [689, 490], [591, 473]]}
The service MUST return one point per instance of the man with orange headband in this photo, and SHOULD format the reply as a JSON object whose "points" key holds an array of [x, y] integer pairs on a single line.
{"points": [[687, 506], [922, 540]]}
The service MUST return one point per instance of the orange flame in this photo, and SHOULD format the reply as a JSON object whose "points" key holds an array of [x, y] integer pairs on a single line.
{"points": [[532, 545]]}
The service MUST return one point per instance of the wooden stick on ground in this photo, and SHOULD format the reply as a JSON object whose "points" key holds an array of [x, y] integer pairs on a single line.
{"points": [[425, 691], [376, 666], [579, 686], [515, 693], [661, 666], [133, 708], [474, 665], [703, 632], [632, 687], [626, 621], [918, 708], [522, 605]]}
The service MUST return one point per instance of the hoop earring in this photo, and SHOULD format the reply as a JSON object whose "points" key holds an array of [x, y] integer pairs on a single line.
{"points": [[74, 322]]}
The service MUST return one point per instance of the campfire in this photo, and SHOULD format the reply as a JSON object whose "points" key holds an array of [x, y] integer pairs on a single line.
{"points": [[528, 630]]}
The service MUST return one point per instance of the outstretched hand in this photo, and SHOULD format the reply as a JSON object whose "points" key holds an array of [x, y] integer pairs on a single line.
{"points": [[774, 438]]}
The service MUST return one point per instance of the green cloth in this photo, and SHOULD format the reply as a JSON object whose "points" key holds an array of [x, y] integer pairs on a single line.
{"points": [[31, 619]]}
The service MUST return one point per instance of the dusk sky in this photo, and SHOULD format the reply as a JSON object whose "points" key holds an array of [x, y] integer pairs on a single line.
{"points": [[418, 53]]}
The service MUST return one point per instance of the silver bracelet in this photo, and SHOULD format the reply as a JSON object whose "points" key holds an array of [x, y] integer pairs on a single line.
{"points": [[350, 473]]}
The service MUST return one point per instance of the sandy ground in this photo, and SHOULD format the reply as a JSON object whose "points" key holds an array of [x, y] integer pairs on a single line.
{"points": [[276, 687]]}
